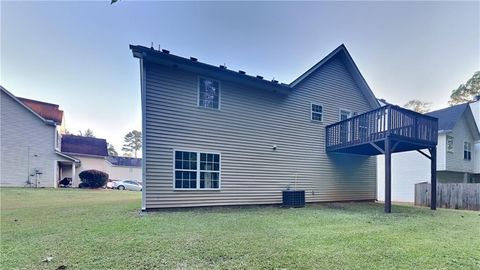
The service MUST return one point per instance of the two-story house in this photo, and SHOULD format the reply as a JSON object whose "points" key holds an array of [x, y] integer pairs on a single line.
{"points": [[213, 136], [30, 142], [457, 159]]}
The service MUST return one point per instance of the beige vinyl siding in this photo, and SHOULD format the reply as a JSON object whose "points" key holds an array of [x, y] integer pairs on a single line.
{"points": [[86, 163], [244, 131], [123, 172], [26, 143]]}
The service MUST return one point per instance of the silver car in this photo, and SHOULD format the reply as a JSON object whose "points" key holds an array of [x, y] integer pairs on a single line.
{"points": [[127, 185]]}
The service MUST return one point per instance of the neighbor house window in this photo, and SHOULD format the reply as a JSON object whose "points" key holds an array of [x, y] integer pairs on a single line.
{"points": [[208, 93], [197, 170], [317, 112], [467, 151], [449, 144]]}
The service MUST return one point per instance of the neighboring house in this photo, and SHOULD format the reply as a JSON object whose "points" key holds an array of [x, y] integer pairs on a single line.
{"points": [[213, 136], [457, 160], [124, 168], [89, 150], [29, 140], [475, 107], [93, 154]]}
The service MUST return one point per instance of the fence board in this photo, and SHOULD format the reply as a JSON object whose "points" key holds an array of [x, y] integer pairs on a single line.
{"points": [[455, 196]]}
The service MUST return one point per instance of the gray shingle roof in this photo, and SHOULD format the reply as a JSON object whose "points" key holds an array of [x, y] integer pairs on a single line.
{"points": [[125, 161], [448, 117], [84, 145]]}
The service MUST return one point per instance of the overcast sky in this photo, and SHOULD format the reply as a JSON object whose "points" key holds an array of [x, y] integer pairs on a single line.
{"points": [[76, 53]]}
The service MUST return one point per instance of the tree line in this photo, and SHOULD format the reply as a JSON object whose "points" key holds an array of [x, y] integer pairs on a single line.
{"points": [[464, 93]]}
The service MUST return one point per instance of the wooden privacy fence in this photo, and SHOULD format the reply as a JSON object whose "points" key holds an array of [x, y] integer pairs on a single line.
{"points": [[456, 196]]}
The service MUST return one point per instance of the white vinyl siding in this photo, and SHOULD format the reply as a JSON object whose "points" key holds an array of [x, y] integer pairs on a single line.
{"points": [[27, 144]]}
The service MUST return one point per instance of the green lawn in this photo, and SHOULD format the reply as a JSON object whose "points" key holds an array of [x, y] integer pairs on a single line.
{"points": [[104, 230]]}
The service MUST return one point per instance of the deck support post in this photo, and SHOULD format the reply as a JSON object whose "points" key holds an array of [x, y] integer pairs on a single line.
{"points": [[388, 176], [433, 172]]}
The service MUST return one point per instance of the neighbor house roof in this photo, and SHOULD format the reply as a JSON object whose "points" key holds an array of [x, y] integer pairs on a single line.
{"points": [[448, 117], [48, 111], [46, 121], [125, 161], [192, 64], [73, 144]]}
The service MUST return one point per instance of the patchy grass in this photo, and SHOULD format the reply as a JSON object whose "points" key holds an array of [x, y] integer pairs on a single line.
{"points": [[103, 229]]}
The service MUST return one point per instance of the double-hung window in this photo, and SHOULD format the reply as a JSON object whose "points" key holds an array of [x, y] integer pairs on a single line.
{"points": [[196, 170], [467, 151], [208, 93], [316, 112]]}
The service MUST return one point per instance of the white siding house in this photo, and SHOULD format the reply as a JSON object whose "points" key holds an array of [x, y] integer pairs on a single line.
{"points": [[29, 154], [458, 158]]}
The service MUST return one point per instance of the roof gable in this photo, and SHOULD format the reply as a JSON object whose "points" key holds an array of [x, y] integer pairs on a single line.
{"points": [[84, 145], [48, 111], [449, 117], [342, 53], [38, 116]]}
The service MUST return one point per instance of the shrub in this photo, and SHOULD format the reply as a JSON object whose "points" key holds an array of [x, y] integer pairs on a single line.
{"points": [[93, 178], [83, 185]]}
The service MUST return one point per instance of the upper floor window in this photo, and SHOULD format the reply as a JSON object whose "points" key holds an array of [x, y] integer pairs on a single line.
{"points": [[344, 114], [196, 170], [316, 112], [467, 151], [208, 93], [449, 143]]}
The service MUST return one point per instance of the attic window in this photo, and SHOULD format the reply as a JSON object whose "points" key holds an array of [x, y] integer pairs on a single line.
{"points": [[208, 93]]}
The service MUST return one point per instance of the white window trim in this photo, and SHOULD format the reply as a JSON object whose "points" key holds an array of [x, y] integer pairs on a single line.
{"points": [[219, 93], [198, 169], [312, 112], [344, 110]]}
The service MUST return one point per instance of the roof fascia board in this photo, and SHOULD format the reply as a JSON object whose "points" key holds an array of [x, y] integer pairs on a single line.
{"points": [[207, 70], [472, 124], [67, 156], [84, 155]]}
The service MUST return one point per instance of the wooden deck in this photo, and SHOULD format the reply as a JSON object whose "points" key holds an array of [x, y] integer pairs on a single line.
{"points": [[365, 133], [384, 131]]}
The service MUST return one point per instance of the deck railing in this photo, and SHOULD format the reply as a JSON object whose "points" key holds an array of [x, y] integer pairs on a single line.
{"points": [[377, 124]]}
